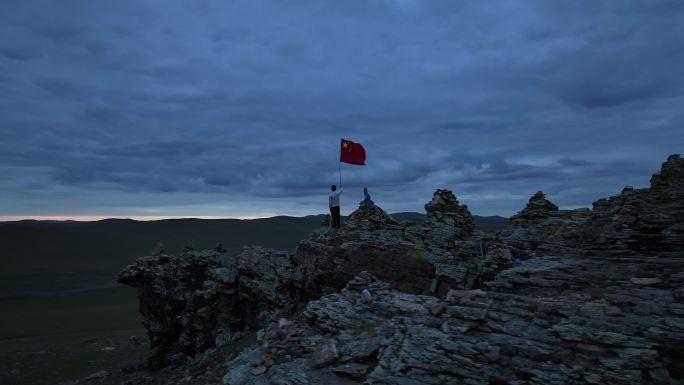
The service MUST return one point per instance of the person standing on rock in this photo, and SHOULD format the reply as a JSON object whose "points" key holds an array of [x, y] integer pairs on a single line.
{"points": [[334, 203]]}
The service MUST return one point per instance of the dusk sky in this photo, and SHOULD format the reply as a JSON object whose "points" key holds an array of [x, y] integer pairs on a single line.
{"points": [[236, 108]]}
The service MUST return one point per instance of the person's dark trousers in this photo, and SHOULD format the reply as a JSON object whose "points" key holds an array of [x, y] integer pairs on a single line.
{"points": [[335, 217]]}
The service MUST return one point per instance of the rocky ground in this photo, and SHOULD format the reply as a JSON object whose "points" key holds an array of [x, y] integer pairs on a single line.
{"points": [[562, 297]]}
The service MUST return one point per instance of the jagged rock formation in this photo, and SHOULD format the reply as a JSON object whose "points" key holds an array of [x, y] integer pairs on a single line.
{"points": [[178, 294], [202, 299], [599, 299], [538, 207], [478, 337], [447, 221], [469, 264], [369, 240], [369, 218], [184, 301], [636, 221], [640, 220], [541, 228], [265, 276], [432, 257]]}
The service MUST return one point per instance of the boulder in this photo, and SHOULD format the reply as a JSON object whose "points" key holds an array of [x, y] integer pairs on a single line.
{"points": [[202, 299], [184, 301]]}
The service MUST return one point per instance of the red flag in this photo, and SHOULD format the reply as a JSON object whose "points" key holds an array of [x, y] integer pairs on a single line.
{"points": [[352, 153]]}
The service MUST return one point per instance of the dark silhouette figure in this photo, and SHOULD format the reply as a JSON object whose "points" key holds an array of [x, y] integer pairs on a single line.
{"points": [[334, 203], [367, 201]]}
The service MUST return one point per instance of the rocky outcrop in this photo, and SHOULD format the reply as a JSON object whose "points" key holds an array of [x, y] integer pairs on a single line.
{"points": [[630, 335], [185, 302], [635, 222], [541, 228], [469, 264], [370, 218], [201, 299], [538, 208], [431, 257], [642, 220], [179, 295], [599, 299], [265, 276], [369, 240]]}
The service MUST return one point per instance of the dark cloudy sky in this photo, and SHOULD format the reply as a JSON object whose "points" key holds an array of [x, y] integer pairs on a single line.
{"points": [[236, 108]]}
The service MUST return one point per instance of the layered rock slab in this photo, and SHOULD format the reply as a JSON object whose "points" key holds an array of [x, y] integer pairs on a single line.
{"points": [[479, 337]]}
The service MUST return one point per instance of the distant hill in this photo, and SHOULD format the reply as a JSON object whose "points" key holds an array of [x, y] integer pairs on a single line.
{"points": [[409, 216], [108, 245], [30, 247], [491, 223]]}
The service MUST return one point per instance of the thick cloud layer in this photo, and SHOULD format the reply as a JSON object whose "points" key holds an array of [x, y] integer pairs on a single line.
{"points": [[236, 108]]}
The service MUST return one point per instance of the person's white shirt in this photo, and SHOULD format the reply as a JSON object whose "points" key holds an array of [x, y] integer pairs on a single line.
{"points": [[334, 197]]}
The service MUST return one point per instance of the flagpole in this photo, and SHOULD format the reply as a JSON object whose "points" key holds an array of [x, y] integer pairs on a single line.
{"points": [[339, 168]]}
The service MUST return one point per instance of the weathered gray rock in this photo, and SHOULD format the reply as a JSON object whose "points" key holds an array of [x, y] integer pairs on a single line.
{"points": [[643, 220], [541, 228], [352, 370], [203, 299], [325, 353], [465, 268], [406, 255], [490, 337], [638, 221], [184, 301], [447, 222], [361, 349], [179, 295], [538, 207], [265, 280], [370, 240], [578, 321], [599, 298]]}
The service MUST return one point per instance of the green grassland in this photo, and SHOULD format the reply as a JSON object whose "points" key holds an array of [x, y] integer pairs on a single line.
{"points": [[48, 339]]}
